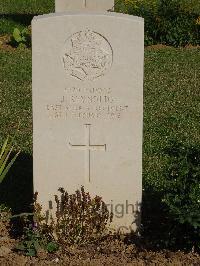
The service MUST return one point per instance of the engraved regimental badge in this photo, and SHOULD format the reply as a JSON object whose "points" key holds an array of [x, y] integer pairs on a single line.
{"points": [[87, 55]]}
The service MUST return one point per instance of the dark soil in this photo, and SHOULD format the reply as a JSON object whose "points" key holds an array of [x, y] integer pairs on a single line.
{"points": [[110, 251], [107, 253]]}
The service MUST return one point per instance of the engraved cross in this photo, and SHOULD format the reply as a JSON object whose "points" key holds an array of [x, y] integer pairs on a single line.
{"points": [[88, 147], [85, 3]]}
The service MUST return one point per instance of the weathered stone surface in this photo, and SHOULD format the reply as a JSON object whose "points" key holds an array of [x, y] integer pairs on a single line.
{"points": [[93, 5], [88, 108]]}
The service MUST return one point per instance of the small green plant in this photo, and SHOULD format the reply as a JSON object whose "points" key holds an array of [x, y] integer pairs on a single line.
{"points": [[5, 154], [21, 38], [34, 241]]}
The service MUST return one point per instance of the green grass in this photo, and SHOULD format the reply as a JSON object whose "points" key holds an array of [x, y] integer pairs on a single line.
{"points": [[171, 112], [26, 6], [171, 105], [171, 100], [15, 109], [15, 96], [19, 13]]}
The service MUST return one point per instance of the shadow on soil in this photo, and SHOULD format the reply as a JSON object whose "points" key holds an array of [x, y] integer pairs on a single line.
{"points": [[16, 191]]}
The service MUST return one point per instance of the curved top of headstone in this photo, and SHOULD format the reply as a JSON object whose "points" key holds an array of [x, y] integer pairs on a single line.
{"points": [[89, 13]]}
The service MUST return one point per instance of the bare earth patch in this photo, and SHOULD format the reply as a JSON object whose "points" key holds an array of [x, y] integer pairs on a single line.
{"points": [[163, 46], [157, 47], [4, 43], [108, 252]]}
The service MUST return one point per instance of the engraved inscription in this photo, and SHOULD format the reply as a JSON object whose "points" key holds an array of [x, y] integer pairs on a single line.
{"points": [[88, 147], [87, 55], [87, 103]]}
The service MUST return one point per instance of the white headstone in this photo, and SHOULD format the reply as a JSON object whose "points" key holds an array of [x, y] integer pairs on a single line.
{"points": [[88, 108], [72, 5]]}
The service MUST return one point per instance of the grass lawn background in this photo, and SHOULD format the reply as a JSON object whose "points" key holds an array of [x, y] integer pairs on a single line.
{"points": [[171, 107], [26, 6], [171, 103], [19, 13]]}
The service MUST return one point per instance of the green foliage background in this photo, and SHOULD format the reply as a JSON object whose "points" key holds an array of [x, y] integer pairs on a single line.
{"points": [[171, 22]]}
